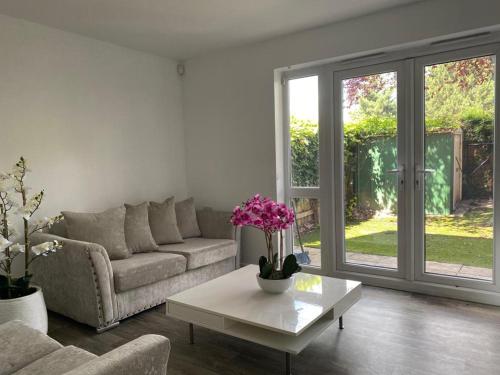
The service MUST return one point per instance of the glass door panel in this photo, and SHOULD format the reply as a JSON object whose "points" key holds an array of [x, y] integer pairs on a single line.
{"points": [[306, 231], [304, 179], [458, 174], [373, 175]]}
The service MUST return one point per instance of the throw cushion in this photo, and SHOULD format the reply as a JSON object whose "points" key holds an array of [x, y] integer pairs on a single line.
{"points": [[105, 228], [216, 224], [137, 232], [186, 218], [163, 222]]}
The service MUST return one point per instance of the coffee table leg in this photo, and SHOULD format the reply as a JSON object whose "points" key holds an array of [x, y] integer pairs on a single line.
{"points": [[341, 322], [288, 364], [191, 333]]}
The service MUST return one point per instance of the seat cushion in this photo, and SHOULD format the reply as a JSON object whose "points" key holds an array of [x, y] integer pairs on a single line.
{"points": [[20, 345], [58, 362], [200, 252], [146, 268]]}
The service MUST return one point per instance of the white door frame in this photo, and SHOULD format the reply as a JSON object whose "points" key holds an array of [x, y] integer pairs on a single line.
{"points": [[322, 192], [419, 133], [327, 191], [402, 156]]}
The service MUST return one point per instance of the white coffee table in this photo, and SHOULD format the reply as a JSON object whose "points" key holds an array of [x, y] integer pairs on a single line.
{"points": [[233, 304]]}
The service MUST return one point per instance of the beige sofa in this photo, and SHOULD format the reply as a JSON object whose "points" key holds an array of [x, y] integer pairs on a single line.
{"points": [[25, 351], [82, 283]]}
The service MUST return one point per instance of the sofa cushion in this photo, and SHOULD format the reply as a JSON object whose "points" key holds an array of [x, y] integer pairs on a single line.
{"points": [[202, 251], [104, 228], [186, 218], [215, 224], [137, 231], [146, 268], [20, 345], [58, 362], [163, 222]]}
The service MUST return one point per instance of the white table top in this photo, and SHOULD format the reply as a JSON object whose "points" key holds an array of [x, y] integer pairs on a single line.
{"points": [[237, 296]]}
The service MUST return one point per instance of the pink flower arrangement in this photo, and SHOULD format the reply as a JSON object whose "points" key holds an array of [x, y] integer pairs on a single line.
{"points": [[264, 214], [269, 217]]}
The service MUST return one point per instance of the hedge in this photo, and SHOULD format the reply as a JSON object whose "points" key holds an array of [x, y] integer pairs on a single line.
{"points": [[304, 140]]}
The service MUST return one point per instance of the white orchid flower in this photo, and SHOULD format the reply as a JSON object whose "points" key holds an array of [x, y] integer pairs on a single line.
{"points": [[42, 248], [25, 212], [45, 248], [4, 243], [16, 249]]}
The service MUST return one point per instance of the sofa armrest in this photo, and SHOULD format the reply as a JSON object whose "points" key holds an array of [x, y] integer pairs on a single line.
{"points": [[147, 354], [77, 281]]}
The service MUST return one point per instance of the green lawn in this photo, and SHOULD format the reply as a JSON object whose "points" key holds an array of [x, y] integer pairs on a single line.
{"points": [[464, 240]]}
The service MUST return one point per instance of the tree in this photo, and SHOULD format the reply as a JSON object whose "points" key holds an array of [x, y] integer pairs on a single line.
{"points": [[456, 88], [451, 90]]}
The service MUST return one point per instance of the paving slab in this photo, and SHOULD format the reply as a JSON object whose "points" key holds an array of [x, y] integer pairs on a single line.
{"points": [[442, 268], [476, 272], [439, 268]]}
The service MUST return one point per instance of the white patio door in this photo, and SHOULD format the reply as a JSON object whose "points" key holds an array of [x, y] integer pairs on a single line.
{"points": [[455, 174], [414, 169], [402, 155], [370, 169]]}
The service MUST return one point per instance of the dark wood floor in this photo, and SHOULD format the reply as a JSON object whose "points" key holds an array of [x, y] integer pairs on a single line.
{"points": [[388, 332]]}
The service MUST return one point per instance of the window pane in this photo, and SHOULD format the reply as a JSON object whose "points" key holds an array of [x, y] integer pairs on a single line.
{"points": [[459, 143], [307, 220], [304, 137], [369, 120]]}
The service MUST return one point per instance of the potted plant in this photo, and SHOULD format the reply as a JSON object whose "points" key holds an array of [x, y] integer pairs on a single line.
{"points": [[18, 298], [276, 273]]}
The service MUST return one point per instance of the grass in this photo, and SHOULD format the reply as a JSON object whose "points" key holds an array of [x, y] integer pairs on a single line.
{"points": [[464, 240]]}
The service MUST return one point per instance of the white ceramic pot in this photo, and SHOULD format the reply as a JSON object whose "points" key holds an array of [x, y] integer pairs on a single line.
{"points": [[275, 286], [29, 309]]}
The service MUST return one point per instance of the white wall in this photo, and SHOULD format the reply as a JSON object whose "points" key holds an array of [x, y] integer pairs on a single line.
{"points": [[100, 124], [229, 98]]}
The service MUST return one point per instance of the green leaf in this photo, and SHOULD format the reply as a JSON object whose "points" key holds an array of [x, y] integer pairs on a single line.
{"points": [[267, 269], [290, 266], [262, 262], [277, 275], [3, 281], [23, 282]]}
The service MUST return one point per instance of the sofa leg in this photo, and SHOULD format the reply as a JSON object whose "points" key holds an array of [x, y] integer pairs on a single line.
{"points": [[104, 329]]}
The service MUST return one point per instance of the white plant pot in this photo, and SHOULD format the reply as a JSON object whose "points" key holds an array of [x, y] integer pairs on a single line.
{"points": [[275, 286], [29, 309]]}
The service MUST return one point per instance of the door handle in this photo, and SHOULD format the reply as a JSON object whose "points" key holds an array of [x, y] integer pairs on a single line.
{"points": [[401, 176], [426, 170], [396, 170], [420, 176]]}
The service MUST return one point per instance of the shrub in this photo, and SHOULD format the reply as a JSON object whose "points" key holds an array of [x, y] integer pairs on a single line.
{"points": [[304, 144], [476, 124]]}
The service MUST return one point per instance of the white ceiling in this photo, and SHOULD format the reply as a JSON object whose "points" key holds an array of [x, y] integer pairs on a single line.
{"points": [[182, 29]]}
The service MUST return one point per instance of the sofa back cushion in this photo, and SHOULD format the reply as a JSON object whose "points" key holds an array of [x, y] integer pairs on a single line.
{"points": [[104, 228], [216, 224], [163, 222], [186, 218], [58, 229], [137, 232]]}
